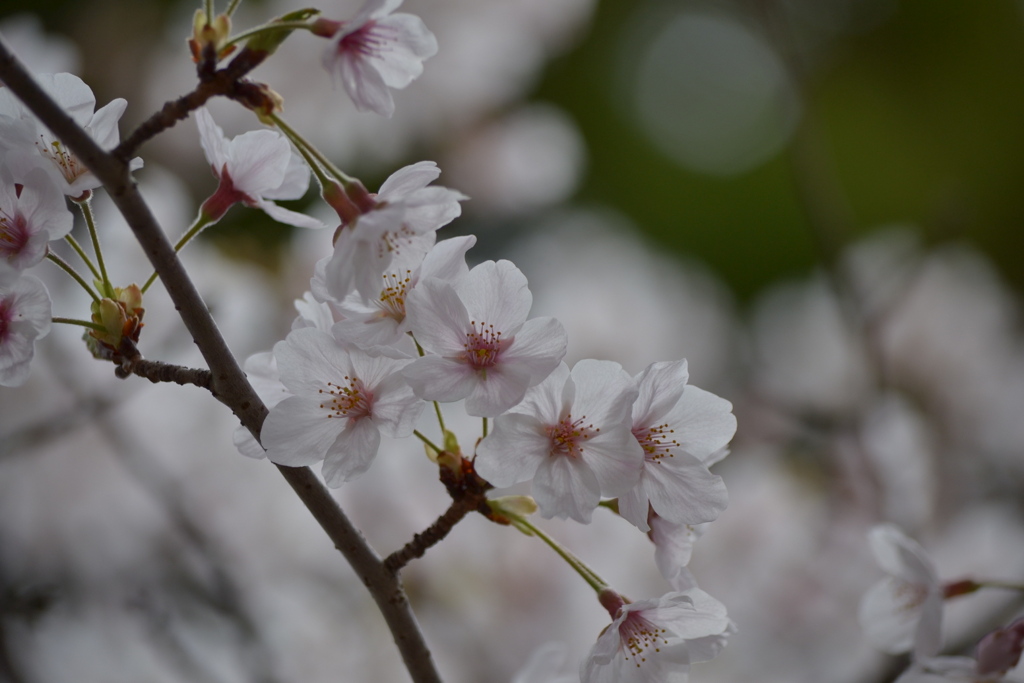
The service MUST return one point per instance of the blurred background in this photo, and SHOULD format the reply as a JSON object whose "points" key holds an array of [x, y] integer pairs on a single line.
{"points": [[816, 202]]}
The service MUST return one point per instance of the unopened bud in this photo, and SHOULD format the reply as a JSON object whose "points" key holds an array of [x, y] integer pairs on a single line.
{"points": [[1000, 650]]}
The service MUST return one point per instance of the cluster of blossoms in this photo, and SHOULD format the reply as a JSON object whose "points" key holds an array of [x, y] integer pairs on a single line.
{"points": [[395, 320], [903, 613]]}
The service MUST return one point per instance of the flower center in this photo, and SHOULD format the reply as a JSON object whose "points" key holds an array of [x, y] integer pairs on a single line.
{"points": [[369, 40], [14, 235], [392, 297], [657, 442], [392, 241], [568, 435], [351, 400], [483, 346], [637, 635], [69, 165], [909, 595]]}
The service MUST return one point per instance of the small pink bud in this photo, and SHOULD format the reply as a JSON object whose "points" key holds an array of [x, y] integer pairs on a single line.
{"points": [[1000, 650], [611, 601]]}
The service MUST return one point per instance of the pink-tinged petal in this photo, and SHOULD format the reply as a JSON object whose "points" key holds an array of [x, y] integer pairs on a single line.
{"points": [[44, 205], [412, 42], [616, 458], [365, 85], [447, 260], [246, 444], [16, 354], [71, 93], [681, 489], [352, 453], [308, 358], [407, 180], [257, 161], [661, 385], [604, 391], [634, 505], [673, 546], [538, 348], [438, 318], [497, 389], [703, 422], [513, 451], [103, 126], [368, 329], [396, 408], [296, 180], [297, 433], [287, 216], [566, 487], [498, 294], [901, 556], [549, 400], [432, 208], [692, 614], [212, 140], [889, 627], [434, 378]]}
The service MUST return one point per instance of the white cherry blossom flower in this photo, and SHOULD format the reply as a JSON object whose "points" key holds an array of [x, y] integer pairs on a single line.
{"points": [[378, 50], [571, 436], [904, 610], [480, 345], [29, 143], [29, 219], [402, 217], [253, 168], [383, 321], [24, 317], [678, 427], [342, 401], [655, 641]]}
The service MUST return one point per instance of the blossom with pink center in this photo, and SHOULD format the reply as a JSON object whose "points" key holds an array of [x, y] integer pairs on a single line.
{"points": [[378, 50], [571, 436], [904, 610], [29, 218], [253, 168], [29, 143], [342, 400], [400, 221], [480, 346], [24, 317], [655, 641], [383, 321], [678, 427]]}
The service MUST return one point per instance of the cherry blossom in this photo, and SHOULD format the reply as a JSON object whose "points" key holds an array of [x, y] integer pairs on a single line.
{"points": [[378, 50], [402, 217], [655, 641], [678, 426], [904, 610], [253, 168], [383, 320], [24, 318], [673, 547], [481, 346], [29, 219], [30, 144], [571, 436], [342, 401]]}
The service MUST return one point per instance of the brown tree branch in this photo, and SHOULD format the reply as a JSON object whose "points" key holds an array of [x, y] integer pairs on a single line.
{"points": [[228, 382]]}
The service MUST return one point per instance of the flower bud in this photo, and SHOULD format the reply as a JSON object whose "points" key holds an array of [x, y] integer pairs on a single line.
{"points": [[214, 35], [120, 317], [1000, 650]]}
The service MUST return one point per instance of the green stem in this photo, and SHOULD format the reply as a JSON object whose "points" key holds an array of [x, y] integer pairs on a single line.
{"points": [[90, 221], [202, 221], [81, 323], [588, 574], [232, 7], [267, 28], [301, 143], [1001, 584], [209, 10], [81, 254], [419, 435], [66, 267], [440, 417]]}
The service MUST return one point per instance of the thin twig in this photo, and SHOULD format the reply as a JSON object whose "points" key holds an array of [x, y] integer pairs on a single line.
{"points": [[430, 536], [228, 382]]}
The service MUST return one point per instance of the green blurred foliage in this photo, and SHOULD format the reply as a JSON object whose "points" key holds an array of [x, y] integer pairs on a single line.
{"points": [[920, 119]]}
